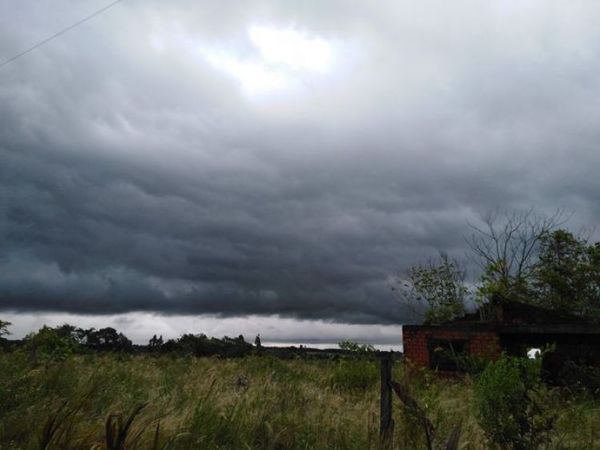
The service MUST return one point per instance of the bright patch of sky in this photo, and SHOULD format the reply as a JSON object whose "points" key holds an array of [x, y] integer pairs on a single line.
{"points": [[282, 58], [292, 49]]}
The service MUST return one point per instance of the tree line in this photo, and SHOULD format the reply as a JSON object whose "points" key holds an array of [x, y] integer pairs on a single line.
{"points": [[61, 341]]}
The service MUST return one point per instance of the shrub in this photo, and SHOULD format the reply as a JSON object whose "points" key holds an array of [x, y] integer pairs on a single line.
{"points": [[578, 376], [471, 364], [508, 400], [49, 344]]}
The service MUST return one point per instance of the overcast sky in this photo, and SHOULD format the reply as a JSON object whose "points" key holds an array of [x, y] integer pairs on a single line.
{"points": [[273, 161]]}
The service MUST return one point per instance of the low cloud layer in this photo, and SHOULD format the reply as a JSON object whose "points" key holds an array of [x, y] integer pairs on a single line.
{"points": [[140, 327], [163, 158]]}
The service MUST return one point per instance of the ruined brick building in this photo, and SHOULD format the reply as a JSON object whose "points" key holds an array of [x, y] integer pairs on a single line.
{"points": [[514, 329]]}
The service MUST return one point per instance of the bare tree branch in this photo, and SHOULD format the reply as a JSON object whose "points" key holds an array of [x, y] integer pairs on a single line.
{"points": [[505, 245]]}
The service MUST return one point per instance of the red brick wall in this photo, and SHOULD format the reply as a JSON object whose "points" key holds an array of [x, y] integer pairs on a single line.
{"points": [[485, 344], [416, 349]]}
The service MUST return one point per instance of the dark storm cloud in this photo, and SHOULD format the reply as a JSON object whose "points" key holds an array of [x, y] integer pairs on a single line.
{"points": [[136, 176]]}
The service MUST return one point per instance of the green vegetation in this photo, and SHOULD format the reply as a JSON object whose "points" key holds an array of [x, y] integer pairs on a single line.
{"points": [[522, 257], [512, 403], [566, 277], [439, 286], [158, 401], [4, 328], [356, 348]]}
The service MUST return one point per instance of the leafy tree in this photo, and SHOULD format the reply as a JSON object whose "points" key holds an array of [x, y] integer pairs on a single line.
{"points": [[524, 257], [506, 248], [234, 341], [106, 339], [50, 344], [202, 345], [155, 343], [76, 334], [4, 328], [566, 276], [439, 287]]}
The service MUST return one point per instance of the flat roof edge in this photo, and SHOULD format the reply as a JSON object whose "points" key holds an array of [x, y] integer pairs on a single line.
{"points": [[587, 329]]}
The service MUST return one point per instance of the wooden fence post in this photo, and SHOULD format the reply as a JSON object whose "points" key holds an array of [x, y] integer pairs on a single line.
{"points": [[386, 422]]}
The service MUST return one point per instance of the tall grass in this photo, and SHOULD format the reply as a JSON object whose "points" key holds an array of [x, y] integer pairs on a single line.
{"points": [[94, 401]]}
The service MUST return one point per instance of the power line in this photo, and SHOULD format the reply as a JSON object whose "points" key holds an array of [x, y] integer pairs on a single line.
{"points": [[59, 33]]}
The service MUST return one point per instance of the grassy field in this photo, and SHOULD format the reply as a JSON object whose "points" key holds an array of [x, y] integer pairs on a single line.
{"points": [[254, 402]]}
